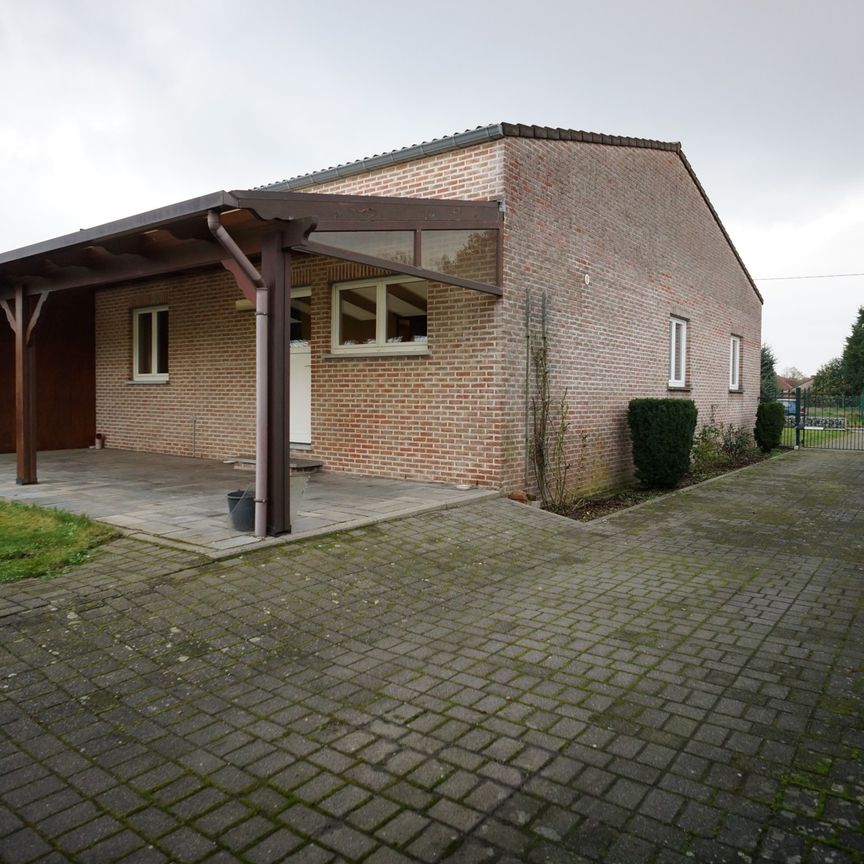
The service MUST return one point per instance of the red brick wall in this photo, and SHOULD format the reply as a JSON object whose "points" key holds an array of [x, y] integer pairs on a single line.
{"points": [[630, 218], [208, 407], [435, 417], [470, 174], [423, 417], [634, 222]]}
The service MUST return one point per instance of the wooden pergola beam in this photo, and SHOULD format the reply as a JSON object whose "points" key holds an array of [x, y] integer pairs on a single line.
{"points": [[175, 239]]}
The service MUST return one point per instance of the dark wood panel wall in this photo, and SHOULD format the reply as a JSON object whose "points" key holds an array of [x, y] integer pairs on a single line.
{"points": [[65, 374]]}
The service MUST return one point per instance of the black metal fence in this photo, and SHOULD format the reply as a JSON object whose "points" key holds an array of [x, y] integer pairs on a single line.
{"points": [[826, 420]]}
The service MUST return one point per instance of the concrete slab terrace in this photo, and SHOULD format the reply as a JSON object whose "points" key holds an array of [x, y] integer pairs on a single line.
{"points": [[182, 501]]}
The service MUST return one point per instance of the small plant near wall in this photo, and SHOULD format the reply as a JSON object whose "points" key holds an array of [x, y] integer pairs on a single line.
{"points": [[662, 428], [719, 448], [662, 432], [551, 432], [738, 445]]}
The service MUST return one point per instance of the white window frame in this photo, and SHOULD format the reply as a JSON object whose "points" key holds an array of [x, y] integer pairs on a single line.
{"points": [[380, 346], [734, 362], [674, 323], [137, 374]]}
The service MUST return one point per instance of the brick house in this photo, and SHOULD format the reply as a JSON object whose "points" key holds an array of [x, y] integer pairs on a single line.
{"points": [[409, 348]]}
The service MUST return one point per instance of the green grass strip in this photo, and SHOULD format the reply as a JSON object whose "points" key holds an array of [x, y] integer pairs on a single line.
{"points": [[35, 541]]}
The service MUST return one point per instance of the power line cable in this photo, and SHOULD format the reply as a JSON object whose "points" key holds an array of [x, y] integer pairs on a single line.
{"points": [[822, 276]]}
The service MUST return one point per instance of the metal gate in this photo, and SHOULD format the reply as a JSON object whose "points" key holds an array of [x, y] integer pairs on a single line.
{"points": [[829, 421]]}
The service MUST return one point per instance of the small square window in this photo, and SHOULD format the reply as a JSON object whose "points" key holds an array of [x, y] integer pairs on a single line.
{"points": [[677, 352], [380, 316], [735, 363], [150, 344]]}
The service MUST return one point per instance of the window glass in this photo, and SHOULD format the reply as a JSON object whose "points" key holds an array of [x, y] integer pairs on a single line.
{"points": [[145, 343], [406, 312], [161, 342], [384, 315], [301, 319], [390, 245], [734, 362], [358, 309], [677, 352], [469, 254]]}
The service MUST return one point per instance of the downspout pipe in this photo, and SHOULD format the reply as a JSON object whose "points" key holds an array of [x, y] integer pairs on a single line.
{"points": [[262, 408]]}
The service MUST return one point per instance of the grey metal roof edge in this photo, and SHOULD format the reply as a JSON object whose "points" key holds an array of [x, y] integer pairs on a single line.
{"points": [[469, 138], [147, 220]]}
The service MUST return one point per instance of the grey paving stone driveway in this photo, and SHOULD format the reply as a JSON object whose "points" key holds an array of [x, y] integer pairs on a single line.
{"points": [[679, 683]]}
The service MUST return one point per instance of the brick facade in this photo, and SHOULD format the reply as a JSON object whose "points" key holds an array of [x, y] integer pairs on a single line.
{"points": [[633, 221], [629, 218], [207, 408]]}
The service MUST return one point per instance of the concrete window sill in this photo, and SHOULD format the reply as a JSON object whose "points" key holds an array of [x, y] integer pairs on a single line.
{"points": [[379, 354]]}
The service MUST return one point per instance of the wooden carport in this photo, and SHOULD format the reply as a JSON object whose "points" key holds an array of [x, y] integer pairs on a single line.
{"points": [[268, 227]]}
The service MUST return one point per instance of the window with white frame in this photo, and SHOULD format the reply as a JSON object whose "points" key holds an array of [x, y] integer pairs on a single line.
{"points": [[735, 363], [677, 352], [150, 344], [380, 316]]}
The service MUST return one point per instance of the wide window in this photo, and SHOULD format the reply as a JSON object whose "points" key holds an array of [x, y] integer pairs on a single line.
{"points": [[735, 363], [677, 352], [380, 316], [150, 344]]}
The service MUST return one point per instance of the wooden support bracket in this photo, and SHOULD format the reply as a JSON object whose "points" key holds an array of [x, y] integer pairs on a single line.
{"points": [[34, 317], [244, 283], [10, 316]]}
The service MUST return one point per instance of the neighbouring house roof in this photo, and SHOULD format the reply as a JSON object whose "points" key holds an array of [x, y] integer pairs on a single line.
{"points": [[495, 132]]}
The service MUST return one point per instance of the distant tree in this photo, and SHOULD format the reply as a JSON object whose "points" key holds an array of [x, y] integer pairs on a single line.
{"points": [[768, 390], [794, 373], [829, 379], [853, 356]]}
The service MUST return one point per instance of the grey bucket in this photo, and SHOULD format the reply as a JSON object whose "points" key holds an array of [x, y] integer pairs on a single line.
{"points": [[241, 508]]}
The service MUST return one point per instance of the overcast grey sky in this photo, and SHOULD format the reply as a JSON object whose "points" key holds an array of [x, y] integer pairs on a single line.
{"points": [[111, 108]]}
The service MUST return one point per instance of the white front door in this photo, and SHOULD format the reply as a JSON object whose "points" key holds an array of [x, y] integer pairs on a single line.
{"points": [[301, 367]]}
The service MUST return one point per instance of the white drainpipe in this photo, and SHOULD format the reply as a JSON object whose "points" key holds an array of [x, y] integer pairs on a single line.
{"points": [[262, 304]]}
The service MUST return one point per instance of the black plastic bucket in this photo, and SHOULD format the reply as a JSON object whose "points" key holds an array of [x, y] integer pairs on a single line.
{"points": [[241, 508]]}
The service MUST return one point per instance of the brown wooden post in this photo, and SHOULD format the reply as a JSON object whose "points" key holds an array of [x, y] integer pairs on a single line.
{"points": [[276, 273], [25, 394]]}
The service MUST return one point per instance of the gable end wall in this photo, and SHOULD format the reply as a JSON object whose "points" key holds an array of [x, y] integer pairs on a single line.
{"points": [[632, 220]]}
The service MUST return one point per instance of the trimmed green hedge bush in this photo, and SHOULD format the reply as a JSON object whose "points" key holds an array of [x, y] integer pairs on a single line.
{"points": [[662, 432], [770, 420]]}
